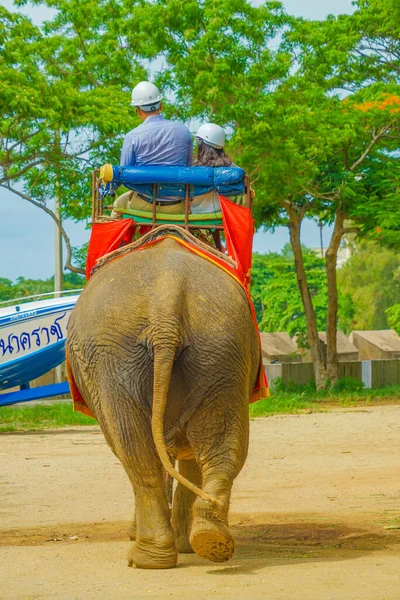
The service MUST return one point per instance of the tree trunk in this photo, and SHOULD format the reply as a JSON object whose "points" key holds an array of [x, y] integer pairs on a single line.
{"points": [[315, 343], [331, 323]]}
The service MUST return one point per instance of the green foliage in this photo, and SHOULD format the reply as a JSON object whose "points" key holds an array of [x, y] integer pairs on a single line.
{"points": [[261, 275], [289, 124], [64, 101], [312, 109], [358, 56], [283, 403], [346, 312], [303, 400], [277, 299], [279, 386], [29, 287], [343, 384], [79, 254], [371, 277], [393, 317], [276, 295], [347, 384]]}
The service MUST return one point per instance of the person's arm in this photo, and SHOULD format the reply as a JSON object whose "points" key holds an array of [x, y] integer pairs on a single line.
{"points": [[128, 157]]}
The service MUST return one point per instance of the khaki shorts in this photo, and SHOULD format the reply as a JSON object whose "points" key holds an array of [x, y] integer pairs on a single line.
{"points": [[133, 201]]}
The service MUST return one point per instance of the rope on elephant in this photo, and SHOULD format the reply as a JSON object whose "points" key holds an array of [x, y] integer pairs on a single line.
{"points": [[162, 231]]}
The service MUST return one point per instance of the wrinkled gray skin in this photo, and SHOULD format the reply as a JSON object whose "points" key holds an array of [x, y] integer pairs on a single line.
{"points": [[160, 327]]}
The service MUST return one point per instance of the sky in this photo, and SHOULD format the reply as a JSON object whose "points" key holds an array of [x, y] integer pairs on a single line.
{"points": [[27, 233]]}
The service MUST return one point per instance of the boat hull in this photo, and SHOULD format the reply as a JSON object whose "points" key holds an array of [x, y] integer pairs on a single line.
{"points": [[32, 340]]}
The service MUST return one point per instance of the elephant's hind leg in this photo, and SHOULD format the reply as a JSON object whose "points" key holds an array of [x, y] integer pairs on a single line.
{"points": [[221, 452], [210, 536], [182, 514], [155, 541], [132, 532], [132, 442]]}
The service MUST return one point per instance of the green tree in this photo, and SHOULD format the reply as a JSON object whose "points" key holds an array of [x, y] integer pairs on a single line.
{"points": [[5, 289], [310, 153], [393, 317], [282, 304], [29, 287], [64, 105], [277, 298], [371, 277]]}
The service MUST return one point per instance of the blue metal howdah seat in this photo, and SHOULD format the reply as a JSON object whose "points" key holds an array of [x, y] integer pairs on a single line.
{"points": [[154, 182]]}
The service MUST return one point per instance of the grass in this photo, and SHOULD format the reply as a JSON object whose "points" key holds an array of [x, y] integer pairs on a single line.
{"points": [[298, 400], [282, 402], [304, 399], [41, 416]]}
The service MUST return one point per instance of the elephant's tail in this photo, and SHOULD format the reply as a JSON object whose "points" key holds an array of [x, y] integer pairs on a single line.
{"points": [[163, 363]]}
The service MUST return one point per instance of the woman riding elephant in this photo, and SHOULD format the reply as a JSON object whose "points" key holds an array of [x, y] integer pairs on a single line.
{"points": [[169, 380], [210, 153]]}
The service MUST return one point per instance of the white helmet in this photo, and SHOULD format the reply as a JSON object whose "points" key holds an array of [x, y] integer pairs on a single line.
{"points": [[147, 96], [212, 134]]}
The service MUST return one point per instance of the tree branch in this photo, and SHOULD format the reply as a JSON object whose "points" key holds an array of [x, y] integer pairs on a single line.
{"points": [[48, 211], [375, 138], [22, 141], [304, 209], [21, 172], [346, 157]]}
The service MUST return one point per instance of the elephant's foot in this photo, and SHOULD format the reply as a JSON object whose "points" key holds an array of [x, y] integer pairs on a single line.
{"points": [[210, 538], [150, 555]]}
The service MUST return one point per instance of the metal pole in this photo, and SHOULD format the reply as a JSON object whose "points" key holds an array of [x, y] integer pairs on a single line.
{"points": [[187, 206], [154, 206], [320, 225], [94, 198], [58, 251], [58, 266]]}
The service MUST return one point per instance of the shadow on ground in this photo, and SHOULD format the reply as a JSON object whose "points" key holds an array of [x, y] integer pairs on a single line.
{"points": [[259, 543], [265, 544]]}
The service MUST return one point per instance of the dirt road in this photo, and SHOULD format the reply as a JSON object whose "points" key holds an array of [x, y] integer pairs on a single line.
{"points": [[315, 515]]}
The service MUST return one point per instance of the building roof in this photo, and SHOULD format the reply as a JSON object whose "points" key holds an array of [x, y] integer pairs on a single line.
{"points": [[385, 339], [344, 345], [277, 344]]}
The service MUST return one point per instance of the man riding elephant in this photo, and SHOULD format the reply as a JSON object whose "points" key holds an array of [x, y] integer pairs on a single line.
{"points": [[157, 141]]}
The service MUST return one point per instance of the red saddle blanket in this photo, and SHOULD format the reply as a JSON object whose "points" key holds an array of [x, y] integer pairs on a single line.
{"points": [[110, 241], [238, 227], [261, 389]]}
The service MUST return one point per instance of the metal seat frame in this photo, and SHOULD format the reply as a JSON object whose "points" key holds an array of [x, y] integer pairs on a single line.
{"points": [[98, 207]]}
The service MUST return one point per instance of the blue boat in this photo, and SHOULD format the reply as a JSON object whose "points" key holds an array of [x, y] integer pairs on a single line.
{"points": [[32, 338]]}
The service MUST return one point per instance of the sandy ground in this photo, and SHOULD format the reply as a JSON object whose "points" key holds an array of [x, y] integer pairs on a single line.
{"points": [[315, 515]]}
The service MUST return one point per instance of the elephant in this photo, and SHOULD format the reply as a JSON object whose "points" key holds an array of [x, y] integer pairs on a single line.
{"points": [[164, 351]]}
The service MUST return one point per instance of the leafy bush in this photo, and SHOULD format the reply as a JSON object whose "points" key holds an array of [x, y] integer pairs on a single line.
{"points": [[347, 384], [393, 317], [290, 387]]}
